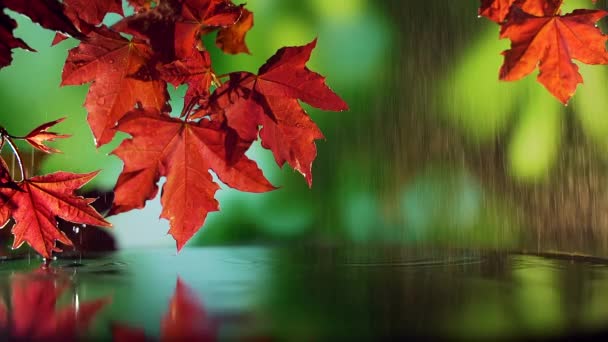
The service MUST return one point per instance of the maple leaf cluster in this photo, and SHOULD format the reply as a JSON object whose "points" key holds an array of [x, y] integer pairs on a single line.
{"points": [[129, 66], [35, 203], [541, 36]]}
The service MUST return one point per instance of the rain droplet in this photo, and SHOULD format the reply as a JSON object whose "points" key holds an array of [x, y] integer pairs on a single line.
{"points": [[111, 61], [83, 225], [76, 229]]}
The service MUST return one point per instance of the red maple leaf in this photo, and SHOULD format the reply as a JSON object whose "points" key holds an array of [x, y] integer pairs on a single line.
{"points": [[184, 152], [199, 17], [551, 42], [39, 200], [498, 10], [156, 26], [34, 315], [8, 41], [185, 320], [232, 39], [270, 99], [121, 78], [49, 14], [92, 11], [173, 28], [85, 14], [194, 71], [39, 135]]}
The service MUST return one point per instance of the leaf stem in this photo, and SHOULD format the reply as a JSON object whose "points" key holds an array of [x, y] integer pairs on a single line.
{"points": [[188, 109], [217, 79], [10, 142]]}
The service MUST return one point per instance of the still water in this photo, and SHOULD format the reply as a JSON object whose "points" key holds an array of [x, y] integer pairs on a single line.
{"points": [[306, 294]]}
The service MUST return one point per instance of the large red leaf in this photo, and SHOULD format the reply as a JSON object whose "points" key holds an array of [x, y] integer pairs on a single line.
{"points": [[92, 11], [121, 78], [551, 42], [49, 14], [85, 14], [8, 41], [498, 10], [184, 153], [270, 99], [34, 315], [39, 200]]}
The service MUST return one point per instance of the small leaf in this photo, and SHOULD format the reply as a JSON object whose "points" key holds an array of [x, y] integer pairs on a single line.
{"points": [[39, 135], [40, 200], [232, 39], [551, 42]]}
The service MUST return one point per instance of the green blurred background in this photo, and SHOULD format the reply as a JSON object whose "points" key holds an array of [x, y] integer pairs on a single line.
{"points": [[435, 150]]}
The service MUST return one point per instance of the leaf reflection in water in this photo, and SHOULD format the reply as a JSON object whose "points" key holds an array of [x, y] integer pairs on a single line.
{"points": [[32, 313], [185, 320]]}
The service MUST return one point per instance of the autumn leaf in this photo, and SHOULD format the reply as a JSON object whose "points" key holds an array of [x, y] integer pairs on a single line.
{"points": [[199, 17], [85, 14], [39, 135], [184, 153], [34, 315], [173, 28], [39, 201], [155, 26], [498, 10], [49, 14], [270, 99], [92, 11], [194, 71], [551, 42], [8, 41], [232, 39], [121, 78]]}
